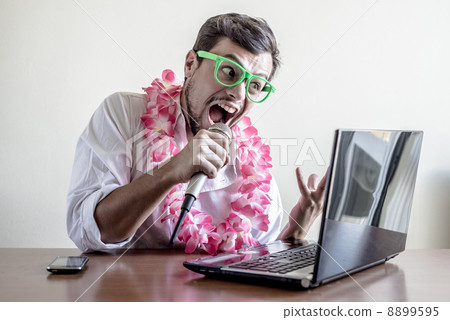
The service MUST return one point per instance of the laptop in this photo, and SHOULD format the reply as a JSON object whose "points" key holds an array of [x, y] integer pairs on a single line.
{"points": [[367, 207]]}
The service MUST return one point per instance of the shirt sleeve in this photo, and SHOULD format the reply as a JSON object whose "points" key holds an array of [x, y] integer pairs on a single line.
{"points": [[275, 212], [100, 166]]}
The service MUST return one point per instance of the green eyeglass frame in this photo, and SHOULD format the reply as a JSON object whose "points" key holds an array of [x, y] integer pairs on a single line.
{"points": [[267, 87]]}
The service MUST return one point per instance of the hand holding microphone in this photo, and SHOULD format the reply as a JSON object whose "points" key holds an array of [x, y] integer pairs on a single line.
{"points": [[197, 181]]}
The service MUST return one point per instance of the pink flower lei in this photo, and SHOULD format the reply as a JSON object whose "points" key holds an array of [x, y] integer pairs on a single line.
{"points": [[249, 203]]}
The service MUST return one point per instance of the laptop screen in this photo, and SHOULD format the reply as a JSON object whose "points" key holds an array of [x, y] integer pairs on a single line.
{"points": [[370, 193]]}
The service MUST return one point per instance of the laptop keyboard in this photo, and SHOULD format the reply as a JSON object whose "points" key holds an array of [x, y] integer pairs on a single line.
{"points": [[281, 262]]}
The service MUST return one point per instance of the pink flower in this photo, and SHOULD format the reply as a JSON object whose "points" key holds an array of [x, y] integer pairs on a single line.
{"points": [[235, 232], [212, 245], [173, 201], [253, 209], [260, 222], [162, 123], [228, 236], [253, 152], [239, 223], [169, 76], [196, 230], [168, 87], [163, 149], [251, 173], [244, 129]]}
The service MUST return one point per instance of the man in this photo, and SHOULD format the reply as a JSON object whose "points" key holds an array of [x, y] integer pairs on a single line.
{"points": [[113, 203]]}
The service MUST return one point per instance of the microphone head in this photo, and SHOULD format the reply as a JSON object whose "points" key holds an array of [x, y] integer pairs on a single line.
{"points": [[221, 128]]}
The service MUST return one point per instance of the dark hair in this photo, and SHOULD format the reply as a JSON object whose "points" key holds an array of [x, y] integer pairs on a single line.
{"points": [[253, 34]]}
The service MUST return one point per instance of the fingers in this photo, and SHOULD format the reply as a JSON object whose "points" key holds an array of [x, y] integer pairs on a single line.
{"points": [[219, 138], [311, 186], [308, 207], [304, 190], [323, 181], [210, 168], [206, 152], [312, 181], [214, 140], [211, 152]]}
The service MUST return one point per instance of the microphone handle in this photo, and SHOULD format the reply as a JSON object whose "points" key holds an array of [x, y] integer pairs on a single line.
{"points": [[197, 182], [192, 192]]}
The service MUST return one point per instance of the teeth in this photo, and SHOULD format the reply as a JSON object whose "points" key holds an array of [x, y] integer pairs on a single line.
{"points": [[227, 108]]}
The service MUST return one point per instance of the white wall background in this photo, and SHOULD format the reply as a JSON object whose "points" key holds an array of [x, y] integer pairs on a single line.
{"points": [[364, 64]]}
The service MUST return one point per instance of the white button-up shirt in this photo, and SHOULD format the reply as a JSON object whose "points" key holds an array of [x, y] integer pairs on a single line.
{"points": [[111, 152]]}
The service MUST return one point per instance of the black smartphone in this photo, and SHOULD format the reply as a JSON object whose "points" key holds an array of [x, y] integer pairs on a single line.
{"points": [[67, 264]]}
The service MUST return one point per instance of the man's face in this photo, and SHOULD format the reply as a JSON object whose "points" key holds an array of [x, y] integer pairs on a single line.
{"points": [[205, 100]]}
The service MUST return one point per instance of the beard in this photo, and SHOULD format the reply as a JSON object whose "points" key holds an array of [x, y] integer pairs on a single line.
{"points": [[194, 120]]}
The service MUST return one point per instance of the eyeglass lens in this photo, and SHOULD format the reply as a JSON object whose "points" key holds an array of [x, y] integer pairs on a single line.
{"points": [[230, 74]]}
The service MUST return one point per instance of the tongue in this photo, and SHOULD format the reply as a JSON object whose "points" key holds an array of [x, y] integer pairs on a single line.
{"points": [[216, 114]]}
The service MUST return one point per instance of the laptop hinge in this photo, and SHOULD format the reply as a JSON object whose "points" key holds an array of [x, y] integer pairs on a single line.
{"points": [[348, 272], [391, 256]]}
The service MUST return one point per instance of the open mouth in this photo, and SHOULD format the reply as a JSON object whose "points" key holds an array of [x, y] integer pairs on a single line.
{"points": [[221, 113]]}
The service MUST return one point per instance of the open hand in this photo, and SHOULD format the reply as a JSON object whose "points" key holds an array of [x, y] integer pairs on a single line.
{"points": [[308, 207]]}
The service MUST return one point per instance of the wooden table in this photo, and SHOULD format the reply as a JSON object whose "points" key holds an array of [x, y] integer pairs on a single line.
{"points": [[158, 275]]}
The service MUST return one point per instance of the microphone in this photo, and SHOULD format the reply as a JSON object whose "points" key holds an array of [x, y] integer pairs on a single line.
{"points": [[197, 181]]}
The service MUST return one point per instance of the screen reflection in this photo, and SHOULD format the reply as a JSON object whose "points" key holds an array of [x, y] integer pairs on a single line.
{"points": [[369, 202]]}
